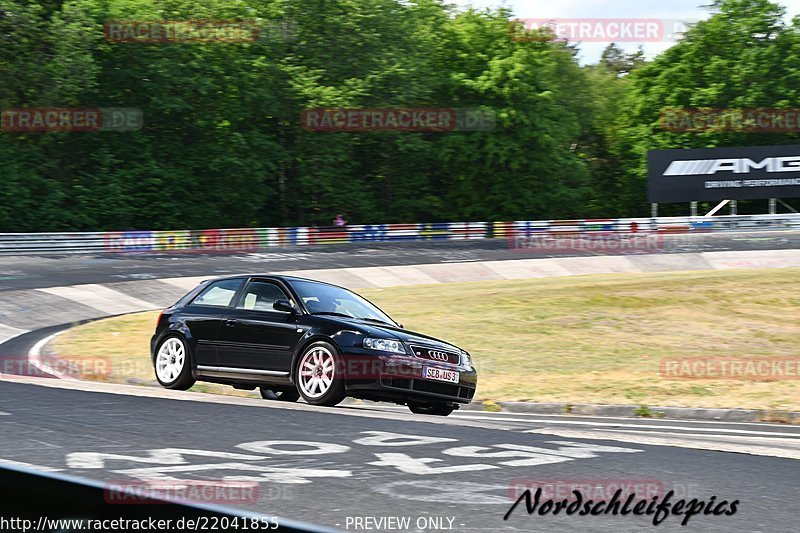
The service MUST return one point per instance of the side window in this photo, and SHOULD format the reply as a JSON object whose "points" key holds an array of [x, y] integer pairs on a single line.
{"points": [[218, 294], [260, 295]]}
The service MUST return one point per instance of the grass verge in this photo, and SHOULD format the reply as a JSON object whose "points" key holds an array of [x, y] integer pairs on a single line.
{"points": [[584, 339]]}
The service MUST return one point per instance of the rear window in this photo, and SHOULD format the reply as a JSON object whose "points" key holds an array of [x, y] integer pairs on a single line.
{"points": [[218, 293]]}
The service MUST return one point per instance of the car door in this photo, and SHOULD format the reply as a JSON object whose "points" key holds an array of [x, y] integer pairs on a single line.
{"points": [[255, 335], [205, 315]]}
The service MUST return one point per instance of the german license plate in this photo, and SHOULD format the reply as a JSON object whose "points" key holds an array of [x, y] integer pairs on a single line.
{"points": [[438, 374]]}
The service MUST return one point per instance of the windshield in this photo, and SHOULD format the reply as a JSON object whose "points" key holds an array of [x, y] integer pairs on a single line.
{"points": [[320, 299]]}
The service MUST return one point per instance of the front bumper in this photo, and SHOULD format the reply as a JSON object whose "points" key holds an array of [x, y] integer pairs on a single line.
{"points": [[400, 378]]}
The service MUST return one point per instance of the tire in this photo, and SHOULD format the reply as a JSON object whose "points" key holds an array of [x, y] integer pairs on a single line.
{"points": [[317, 375], [436, 409], [284, 395], [173, 363]]}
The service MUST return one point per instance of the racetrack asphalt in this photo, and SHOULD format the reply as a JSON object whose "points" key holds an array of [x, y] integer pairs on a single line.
{"points": [[330, 466]]}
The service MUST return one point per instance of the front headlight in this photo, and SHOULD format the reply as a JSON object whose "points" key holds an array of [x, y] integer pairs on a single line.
{"points": [[466, 360], [384, 345]]}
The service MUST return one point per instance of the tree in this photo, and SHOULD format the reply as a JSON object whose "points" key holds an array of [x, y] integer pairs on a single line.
{"points": [[743, 56]]}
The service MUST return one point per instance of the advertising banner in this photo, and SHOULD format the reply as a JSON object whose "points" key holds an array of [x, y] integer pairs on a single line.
{"points": [[715, 174]]}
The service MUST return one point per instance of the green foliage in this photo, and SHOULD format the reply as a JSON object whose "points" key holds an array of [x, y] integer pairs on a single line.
{"points": [[743, 56], [222, 144]]}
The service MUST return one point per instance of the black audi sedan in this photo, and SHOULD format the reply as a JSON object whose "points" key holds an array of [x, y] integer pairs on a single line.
{"points": [[293, 337]]}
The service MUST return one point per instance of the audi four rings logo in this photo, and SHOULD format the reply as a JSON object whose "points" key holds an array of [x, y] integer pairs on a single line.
{"points": [[439, 356]]}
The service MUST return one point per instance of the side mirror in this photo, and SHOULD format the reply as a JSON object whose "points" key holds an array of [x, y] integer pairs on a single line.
{"points": [[284, 305]]}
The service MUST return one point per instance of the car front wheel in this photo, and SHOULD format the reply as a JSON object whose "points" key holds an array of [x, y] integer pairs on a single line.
{"points": [[318, 375], [437, 409], [285, 395], [173, 364]]}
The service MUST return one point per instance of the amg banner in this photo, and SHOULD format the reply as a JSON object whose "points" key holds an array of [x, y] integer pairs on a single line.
{"points": [[714, 174]]}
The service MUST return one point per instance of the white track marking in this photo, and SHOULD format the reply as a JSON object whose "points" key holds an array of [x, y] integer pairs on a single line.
{"points": [[254, 473], [545, 418], [385, 438], [509, 414], [678, 441], [421, 465], [35, 357], [738, 439], [161, 456], [45, 444], [614, 425], [101, 298], [268, 447], [532, 455]]}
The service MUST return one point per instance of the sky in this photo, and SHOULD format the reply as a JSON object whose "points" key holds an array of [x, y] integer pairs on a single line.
{"points": [[686, 10]]}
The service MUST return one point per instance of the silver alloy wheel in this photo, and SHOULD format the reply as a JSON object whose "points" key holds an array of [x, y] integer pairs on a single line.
{"points": [[317, 369], [170, 360]]}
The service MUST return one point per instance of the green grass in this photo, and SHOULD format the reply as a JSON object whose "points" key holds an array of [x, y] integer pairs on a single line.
{"points": [[584, 339]]}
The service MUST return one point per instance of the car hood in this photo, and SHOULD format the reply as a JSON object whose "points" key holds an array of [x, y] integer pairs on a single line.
{"points": [[389, 332]]}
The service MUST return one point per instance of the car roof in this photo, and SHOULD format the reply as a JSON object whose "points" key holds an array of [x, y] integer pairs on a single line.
{"points": [[270, 276]]}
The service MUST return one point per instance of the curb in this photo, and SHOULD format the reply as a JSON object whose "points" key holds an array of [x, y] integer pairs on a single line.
{"points": [[640, 411]]}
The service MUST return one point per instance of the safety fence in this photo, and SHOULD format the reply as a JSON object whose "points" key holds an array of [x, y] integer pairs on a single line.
{"points": [[661, 225], [258, 239], [238, 239]]}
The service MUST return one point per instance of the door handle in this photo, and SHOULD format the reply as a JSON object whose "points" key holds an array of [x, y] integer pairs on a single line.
{"points": [[230, 323]]}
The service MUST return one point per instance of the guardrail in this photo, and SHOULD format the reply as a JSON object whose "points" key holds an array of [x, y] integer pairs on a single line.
{"points": [[257, 239], [238, 239], [667, 225]]}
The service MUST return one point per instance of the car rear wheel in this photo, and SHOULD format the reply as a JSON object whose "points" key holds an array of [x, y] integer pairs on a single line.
{"points": [[437, 409], [173, 364], [317, 375], [283, 395]]}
